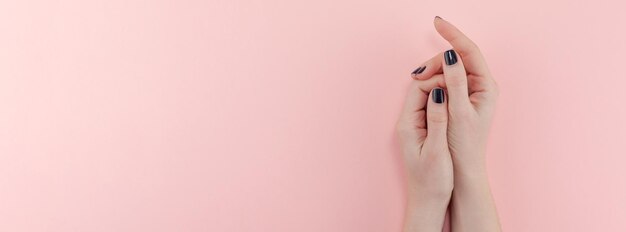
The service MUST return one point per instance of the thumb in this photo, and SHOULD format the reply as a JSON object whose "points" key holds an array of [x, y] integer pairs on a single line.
{"points": [[437, 120]]}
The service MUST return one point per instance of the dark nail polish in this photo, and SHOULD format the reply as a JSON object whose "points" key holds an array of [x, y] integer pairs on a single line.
{"points": [[450, 57], [438, 96], [419, 70]]}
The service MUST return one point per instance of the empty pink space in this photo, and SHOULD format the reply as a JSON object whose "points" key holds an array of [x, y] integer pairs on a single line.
{"points": [[278, 115]]}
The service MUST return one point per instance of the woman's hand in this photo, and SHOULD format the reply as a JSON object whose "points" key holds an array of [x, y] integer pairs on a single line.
{"points": [[422, 130], [472, 96]]}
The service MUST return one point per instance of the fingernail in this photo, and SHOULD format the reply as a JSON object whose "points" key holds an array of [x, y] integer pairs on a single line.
{"points": [[437, 17], [419, 70], [438, 96], [450, 57]]}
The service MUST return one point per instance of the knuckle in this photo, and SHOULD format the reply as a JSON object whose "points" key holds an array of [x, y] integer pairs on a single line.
{"points": [[462, 113], [473, 47], [437, 117], [496, 92], [496, 88], [403, 129], [415, 85], [493, 91], [457, 82], [454, 80]]}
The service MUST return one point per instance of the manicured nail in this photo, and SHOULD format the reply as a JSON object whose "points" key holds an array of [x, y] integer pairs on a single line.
{"points": [[450, 57], [419, 70], [438, 96]]}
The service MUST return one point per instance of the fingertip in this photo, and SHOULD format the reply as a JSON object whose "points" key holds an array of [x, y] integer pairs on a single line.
{"points": [[456, 80], [428, 69], [447, 30], [417, 72], [438, 95], [437, 22], [437, 101], [437, 114]]}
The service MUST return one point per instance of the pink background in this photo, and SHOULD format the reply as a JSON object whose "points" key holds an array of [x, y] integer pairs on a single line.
{"points": [[278, 115]]}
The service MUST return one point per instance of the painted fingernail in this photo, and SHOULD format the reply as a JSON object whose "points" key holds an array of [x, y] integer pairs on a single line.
{"points": [[450, 57], [438, 96], [419, 70]]}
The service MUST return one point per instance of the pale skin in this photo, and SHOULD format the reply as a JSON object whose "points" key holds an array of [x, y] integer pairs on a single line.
{"points": [[444, 144]]}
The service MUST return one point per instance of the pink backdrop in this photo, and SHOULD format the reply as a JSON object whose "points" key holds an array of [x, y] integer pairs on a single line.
{"points": [[278, 115]]}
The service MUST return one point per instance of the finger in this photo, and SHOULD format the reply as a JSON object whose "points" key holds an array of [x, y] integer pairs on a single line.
{"points": [[481, 83], [456, 80], [428, 69], [437, 119], [436, 81], [418, 93], [412, 122], [473, 58]]}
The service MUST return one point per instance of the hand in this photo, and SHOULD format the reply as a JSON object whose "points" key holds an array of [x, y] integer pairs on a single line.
{"points": [[422, 130], [473, 94]]}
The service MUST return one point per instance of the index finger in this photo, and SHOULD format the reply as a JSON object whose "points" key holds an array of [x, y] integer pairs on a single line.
{"points": [[469, 51]]}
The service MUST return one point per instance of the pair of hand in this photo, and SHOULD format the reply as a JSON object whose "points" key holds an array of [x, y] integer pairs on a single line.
{"points": [[443, 131]]}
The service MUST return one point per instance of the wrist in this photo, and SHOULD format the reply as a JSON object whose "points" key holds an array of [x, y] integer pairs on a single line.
{"points": [[471, 165], [426, 209], [424, 216], [468, 185], [430, 201], [419, 193]]}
